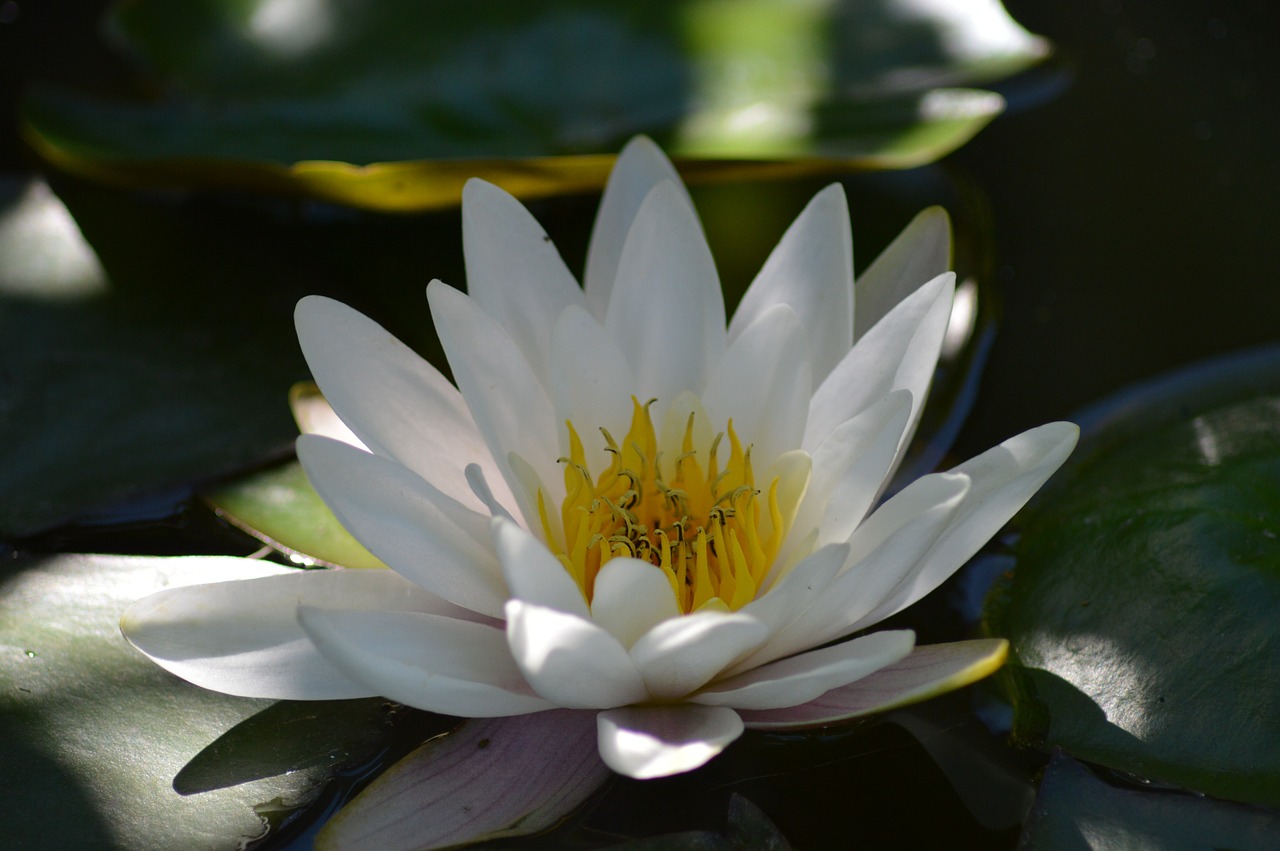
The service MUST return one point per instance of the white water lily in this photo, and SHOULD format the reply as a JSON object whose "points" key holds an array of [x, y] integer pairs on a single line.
{"points": [[624, 506]]}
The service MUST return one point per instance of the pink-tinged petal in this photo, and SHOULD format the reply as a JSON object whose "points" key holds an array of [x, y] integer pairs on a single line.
{"points": [[514, 272], [570, 661], [511, 408], [243, 637], [811, 270], [644, 742], [1002, 479], [802, 678], [901, 351], [762, 383], [591, 384], [686, 652], [408, 524], [667, 311], [485, 780], [432, 662], [920, 253], [533, 573], [631, 596], [395, 402], [928, 672], [641, 166], [314, 415]]}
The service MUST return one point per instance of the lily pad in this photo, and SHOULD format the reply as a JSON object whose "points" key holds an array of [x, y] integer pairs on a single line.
{"points": [[395, 104], [1142, 610], [95, 731], [1077, 811]]}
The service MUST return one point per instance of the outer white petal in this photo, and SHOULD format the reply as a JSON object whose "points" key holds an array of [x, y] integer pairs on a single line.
{"points": [[804, 677], [686, 652], [570, 661], [533, 573], [484, 780], [920, 253], [243, 637], [314, 415], [929, 671], [657, 741], [901, 351], [395, 402], [794, 593], [1002, 480], [514, 272], [511, 408], [811, 270], [591, 384], [412, 527], [432, 662], [641, 166], [630, 596], [762, 382], [667, 311]]}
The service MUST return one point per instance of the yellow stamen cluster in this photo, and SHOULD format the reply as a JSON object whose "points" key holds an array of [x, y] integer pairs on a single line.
{"points": [[702, 525]]}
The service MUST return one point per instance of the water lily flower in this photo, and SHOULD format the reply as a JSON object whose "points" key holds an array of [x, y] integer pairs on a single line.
{"points": [[627, 507]]}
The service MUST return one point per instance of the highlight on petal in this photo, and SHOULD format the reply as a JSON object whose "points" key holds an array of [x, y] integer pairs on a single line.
{"points": [[630, 597], [242, 637], [514, 272], [641, 166], [396, 403], [811, 271], [929, 671], [667, 311], [804, 677], [533, 573], [569, 660], [485, 780], [919, 254], [408, 524], [686, 652], [644, 742], [314, 415], [428, 661]]}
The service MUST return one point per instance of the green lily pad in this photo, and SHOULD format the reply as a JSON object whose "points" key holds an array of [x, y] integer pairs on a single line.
{"points": [[1076, 811], [1142, 613], [95, 731], [395, 104]]}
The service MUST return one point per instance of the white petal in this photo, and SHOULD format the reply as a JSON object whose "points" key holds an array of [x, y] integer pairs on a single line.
{"points": [[686, 652], [514, 272], [927, 672], [533, 573], [395, 402], [675, 420], [849, 468], [657, 741], [901, 351], [243, 637], [512, 410], [591, 384], [485, 780], [314, 415], [790, 596], [412, 527], [641, 166], [667, 312], [811, 270], [762, 382], [804, 677], [570, 661], [630, 596], [1002, 479], [432, 662], [920, 253]]}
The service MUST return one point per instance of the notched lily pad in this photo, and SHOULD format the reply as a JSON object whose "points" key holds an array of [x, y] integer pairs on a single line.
{"points": [[394, 105], [1142, 613]]}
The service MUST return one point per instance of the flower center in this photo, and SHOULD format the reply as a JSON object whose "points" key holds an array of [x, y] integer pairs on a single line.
{"points": [[704, 526]]}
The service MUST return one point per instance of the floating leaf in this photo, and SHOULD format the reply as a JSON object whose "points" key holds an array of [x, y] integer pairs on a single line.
{"points": [[1142, 610], [393, 105]]}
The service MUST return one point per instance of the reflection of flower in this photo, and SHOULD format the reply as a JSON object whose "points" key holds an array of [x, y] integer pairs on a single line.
{"points": [[625, 507]]}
